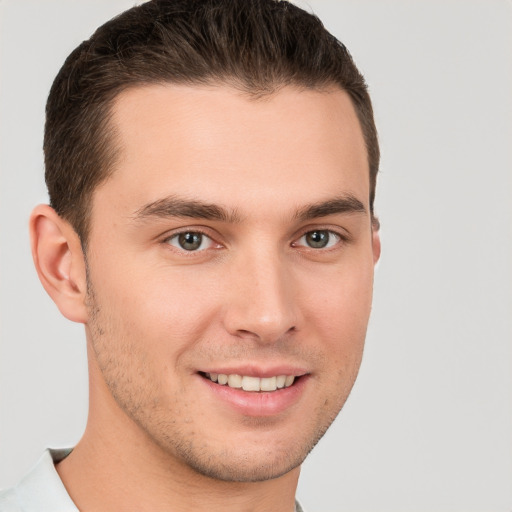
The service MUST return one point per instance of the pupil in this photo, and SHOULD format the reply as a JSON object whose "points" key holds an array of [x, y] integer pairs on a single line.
{"points": [[190, 241], [317, 239]]}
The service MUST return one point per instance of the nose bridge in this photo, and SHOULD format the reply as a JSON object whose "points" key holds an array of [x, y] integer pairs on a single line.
{"points": [[262, 302]]}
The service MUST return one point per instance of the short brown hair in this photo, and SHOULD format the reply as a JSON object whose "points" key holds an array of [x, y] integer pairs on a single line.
{"points": [[257, 46]]}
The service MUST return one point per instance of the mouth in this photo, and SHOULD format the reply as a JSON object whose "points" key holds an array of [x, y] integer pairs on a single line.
{"points": [[259, 392], [251, 383]]}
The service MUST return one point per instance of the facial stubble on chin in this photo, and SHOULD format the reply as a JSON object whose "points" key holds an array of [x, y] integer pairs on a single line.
{"points": [[175, 434]]}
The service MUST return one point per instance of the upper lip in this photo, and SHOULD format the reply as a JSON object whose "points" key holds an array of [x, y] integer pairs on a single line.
{"points": [[257, 371]]}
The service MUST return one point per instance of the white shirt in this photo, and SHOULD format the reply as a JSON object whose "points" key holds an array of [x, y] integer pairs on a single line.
{"points": [[42, 489]]}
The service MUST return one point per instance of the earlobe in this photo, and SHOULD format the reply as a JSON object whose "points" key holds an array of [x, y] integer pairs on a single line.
{"points": [[376, 246], [59, 262]]}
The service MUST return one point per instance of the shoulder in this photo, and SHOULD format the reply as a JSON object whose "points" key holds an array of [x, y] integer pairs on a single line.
{"points": [[299, 507], [41, 490], [9, 501]]}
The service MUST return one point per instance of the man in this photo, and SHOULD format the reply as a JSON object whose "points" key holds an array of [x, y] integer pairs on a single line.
{"points": [[211, 167]]}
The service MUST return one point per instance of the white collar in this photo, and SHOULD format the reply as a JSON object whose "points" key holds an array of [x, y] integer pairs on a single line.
{"points": [[42, 489]]}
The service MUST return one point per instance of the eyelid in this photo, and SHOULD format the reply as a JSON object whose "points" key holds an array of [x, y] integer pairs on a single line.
{"points": [[336, 229], [173, 234], [341, 234]]}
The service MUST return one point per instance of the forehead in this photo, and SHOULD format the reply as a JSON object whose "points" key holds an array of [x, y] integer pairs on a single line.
{"points": [[219, 143]]}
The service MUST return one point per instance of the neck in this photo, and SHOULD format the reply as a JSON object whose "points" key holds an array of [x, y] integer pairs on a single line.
{"points": [[115, 466]]}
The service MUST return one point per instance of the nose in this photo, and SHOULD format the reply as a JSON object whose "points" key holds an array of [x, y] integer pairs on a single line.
{"points": [[262, 303]]}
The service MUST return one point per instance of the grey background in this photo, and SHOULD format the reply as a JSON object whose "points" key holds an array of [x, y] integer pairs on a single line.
{"points": [[428, 425]]}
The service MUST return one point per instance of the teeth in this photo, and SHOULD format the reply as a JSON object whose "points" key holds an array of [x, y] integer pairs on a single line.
{"points": [[268, 384], [248, 383], [235, 381], [251, 384], [289, 380]]}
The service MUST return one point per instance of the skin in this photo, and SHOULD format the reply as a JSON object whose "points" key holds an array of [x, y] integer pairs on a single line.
{"points": [[255, 296]]}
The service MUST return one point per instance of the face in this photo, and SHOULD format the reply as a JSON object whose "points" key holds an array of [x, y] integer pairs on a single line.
{"points": [[230, 270]]}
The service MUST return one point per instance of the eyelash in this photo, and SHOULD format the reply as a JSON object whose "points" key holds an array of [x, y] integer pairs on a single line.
{"points": [[175, 236], [339, 238], [330, 233]]}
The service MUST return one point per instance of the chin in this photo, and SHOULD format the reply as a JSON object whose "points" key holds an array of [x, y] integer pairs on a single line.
{"points": [[247, 458], [245, 468]]}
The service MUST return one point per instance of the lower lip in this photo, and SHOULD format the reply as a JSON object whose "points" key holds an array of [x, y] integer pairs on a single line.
{"points": [[264, 403]]}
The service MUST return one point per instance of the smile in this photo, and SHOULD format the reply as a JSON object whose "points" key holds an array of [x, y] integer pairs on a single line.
{"points": [[249, 383]]}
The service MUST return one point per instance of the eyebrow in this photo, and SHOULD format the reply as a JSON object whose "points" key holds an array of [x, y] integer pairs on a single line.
{"points": [[344, 204], [173, 206]]}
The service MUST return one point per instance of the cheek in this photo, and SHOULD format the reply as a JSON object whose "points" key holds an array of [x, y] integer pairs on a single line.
{"points": [[338, 308], [340, 295], [141, 329], [158, 309]]}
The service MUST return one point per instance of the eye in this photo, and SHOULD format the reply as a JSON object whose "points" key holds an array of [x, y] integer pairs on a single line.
{"points": [[319, 239], [191, 241]]}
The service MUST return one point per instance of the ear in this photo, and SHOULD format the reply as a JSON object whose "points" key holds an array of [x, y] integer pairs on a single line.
{"points": [[376, 239], [59, 261]]}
